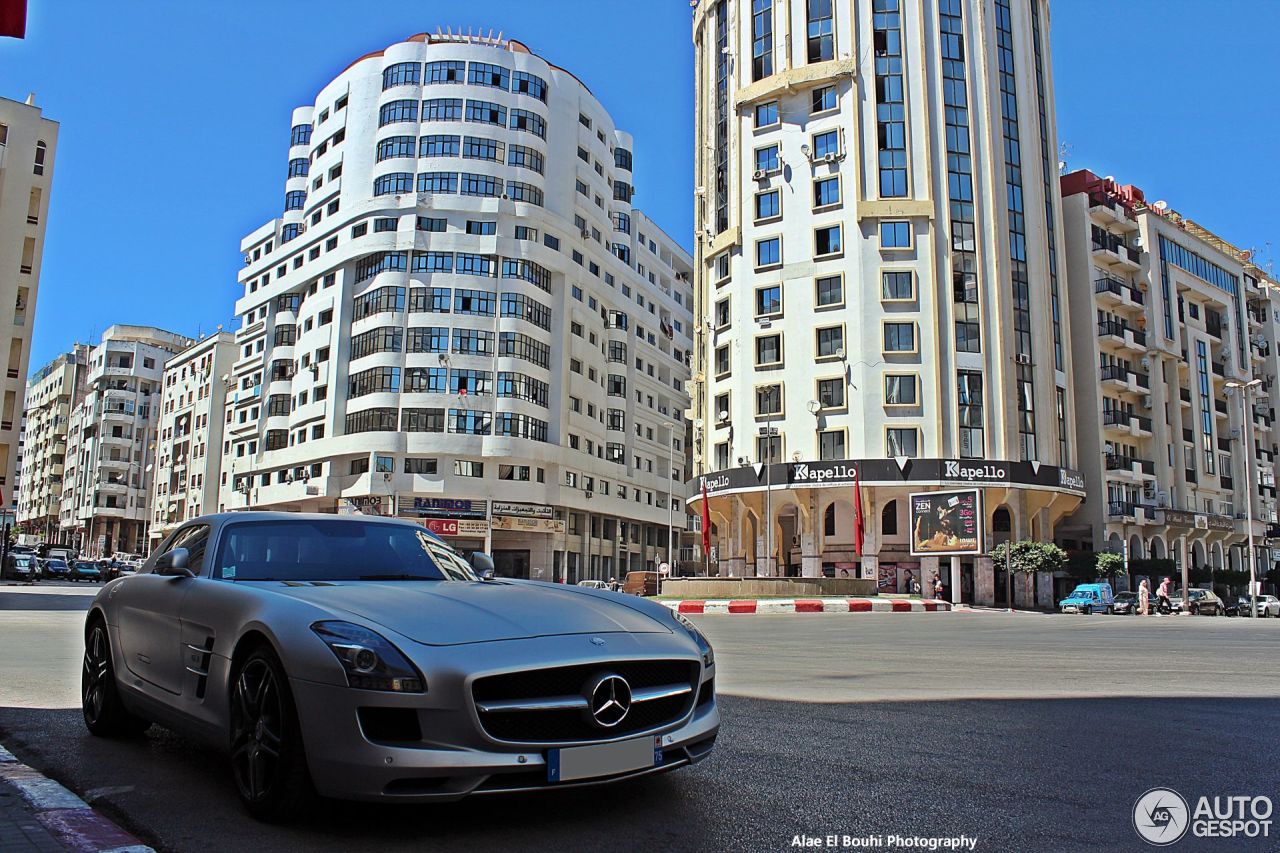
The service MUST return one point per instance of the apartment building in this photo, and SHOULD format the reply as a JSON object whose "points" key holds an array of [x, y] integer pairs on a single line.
{"points": [[188, 452], [52, 392], [459, 317], [28, 142], [880, 296], [1175, 324], [111, 442]]}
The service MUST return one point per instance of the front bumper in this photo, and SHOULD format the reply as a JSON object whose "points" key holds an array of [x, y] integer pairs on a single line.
{"points": [[454, 757]]}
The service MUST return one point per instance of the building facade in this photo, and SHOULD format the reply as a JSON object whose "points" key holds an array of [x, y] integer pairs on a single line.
{"points": [[111, 442], [459, 317], [52, 392], [28, 142], [1174, 323], [188, 451], [878, 282]]}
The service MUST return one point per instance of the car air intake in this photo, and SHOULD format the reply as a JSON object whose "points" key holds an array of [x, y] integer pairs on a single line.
{"points": [[551, 705]]}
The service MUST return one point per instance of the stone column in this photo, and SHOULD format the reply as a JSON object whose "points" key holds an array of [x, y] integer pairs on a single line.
{"points": [[984, 581], [928, 568]]}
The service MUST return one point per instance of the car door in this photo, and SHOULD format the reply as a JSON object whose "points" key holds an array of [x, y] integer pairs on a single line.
{"points": [[149, 610]]}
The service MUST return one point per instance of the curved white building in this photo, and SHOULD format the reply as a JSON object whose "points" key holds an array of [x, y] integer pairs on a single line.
{"points": [[460, 317], [878, 222]]}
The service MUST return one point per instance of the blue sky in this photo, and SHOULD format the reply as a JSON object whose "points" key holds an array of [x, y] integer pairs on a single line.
{"points": [[175, 122]]}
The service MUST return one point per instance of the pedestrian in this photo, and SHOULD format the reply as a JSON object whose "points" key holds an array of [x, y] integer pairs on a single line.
{"points": [[1162, 596], [937, 588], [1144, 598], [613, 583], [915, 586], [910, 580]]}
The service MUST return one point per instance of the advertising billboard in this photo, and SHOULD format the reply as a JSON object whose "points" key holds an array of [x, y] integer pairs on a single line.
{"points": [[946, 523]]}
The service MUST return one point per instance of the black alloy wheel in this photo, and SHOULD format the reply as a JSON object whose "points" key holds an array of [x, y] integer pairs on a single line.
{"points": [[267, 757], [104, 714]]}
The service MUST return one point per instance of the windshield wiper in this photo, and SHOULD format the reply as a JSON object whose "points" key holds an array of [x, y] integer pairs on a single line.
{"points": [[395, 578]]}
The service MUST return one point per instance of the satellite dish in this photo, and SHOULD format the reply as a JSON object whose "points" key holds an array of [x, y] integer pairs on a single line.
{"points": [[1161, 205]]}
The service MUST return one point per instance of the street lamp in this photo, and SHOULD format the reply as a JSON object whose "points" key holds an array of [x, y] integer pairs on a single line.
{"points": [[1248, 478]]}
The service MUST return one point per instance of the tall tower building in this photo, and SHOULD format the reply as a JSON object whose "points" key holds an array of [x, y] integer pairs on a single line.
{"points": [[28, 141], [459, 317], [53, 392], [877, 279]]}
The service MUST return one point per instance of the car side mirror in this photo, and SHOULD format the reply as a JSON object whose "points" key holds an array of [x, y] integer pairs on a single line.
{"points": [[174, 563], [481, 564]]}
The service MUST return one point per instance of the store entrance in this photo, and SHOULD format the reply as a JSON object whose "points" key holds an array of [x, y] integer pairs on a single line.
{"points": [[511, 564]]}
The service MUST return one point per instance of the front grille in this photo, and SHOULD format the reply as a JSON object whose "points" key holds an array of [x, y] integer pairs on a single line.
{"points": [[561, 726]]}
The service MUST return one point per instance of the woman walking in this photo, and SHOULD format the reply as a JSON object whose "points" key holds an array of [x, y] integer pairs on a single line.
{"points": [[1144, 598]]}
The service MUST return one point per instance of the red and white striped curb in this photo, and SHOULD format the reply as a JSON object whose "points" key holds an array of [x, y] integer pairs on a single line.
{"points": [[67, 817], [810, 605]]}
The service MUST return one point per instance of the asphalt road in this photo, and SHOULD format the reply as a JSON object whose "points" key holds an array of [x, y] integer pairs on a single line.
{"points": [[1031, 732]]}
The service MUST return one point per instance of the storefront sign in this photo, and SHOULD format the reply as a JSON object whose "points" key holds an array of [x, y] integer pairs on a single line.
{"points": [[455, 527], [522, 510], [877, 472], [1198, 520], [442, 508], [527, 525], [946, 523]]}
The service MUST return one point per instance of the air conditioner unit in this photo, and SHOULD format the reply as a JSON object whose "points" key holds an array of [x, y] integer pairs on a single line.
{"points": [[1137, 242], [1022, 358], [1109, 448], [588, 493], [759, 174], [585, 233], [829, 158], [1146, 402], [1149, 490], [248, 259]]}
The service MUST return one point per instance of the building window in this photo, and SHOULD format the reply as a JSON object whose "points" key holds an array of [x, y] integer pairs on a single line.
{"points": [[823, 99], [900, 389], [826, 144], [768, 252], [299, 135], [829, 291], [438, 145], [826, 241], [769, 350], [484, 74], [431, 223], [442, 109], [969, 403], [826, 192], [899, 337], [468, 468], [524, 83], [766, 114], [397, 111], [761, 39], [767, 159], [768, 205], [769, 400], [769, 300], [401, 74], [890, 107], [722, 361], [821, 31], [831, 393], [830, 342], [438, 182], [448, 71], [889, 519], [897, 286], [895, 234], [486, 112], [531, 122], [831, 444], [396, 183], [902, 441]]}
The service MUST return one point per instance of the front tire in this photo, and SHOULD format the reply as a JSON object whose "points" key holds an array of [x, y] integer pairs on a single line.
{"points": [[268, 761], [104, 714]]}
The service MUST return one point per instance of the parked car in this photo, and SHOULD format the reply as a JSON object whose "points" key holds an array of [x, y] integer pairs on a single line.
{"points": [[1125, 603], [640, 583], [55, 568], [1089, 598], [22, 566], [594, 584], [320, 635], [86, 570], [1268, 606], [1201, 602]]}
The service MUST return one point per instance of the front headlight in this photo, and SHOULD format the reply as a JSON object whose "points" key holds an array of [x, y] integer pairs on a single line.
{"points": [[708, 653], [369, 660]]}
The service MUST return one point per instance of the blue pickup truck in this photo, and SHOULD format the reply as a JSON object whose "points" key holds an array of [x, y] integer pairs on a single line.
{"points": [[1089, 598]]}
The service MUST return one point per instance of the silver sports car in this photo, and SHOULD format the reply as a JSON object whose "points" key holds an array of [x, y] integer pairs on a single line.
{"points": [[361, 657]]}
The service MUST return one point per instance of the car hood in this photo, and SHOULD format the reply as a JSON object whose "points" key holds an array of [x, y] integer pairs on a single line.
{"points": [[446, 613]]}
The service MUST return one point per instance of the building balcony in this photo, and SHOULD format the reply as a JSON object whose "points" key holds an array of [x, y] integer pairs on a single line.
{"points": [[1121, 509], [1126, 423], [1184, 396], [1221, 408], [1114, 293]]}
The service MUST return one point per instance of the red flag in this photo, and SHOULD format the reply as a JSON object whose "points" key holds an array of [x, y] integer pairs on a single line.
{"points": [[857, 512], [706, 521], [13, 18]]}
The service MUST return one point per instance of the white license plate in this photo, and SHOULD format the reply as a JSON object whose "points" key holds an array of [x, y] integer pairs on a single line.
{"points": [[606, 759]]}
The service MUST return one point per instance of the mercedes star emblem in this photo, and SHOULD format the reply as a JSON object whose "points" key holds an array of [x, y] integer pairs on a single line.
{"points": [[610, 700]]}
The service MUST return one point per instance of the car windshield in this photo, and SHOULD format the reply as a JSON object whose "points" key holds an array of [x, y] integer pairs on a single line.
{"points": [[333, 550]]}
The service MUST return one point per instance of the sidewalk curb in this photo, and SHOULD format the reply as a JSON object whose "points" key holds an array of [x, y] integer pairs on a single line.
{"points": [[809, 605], [68, 818]]}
